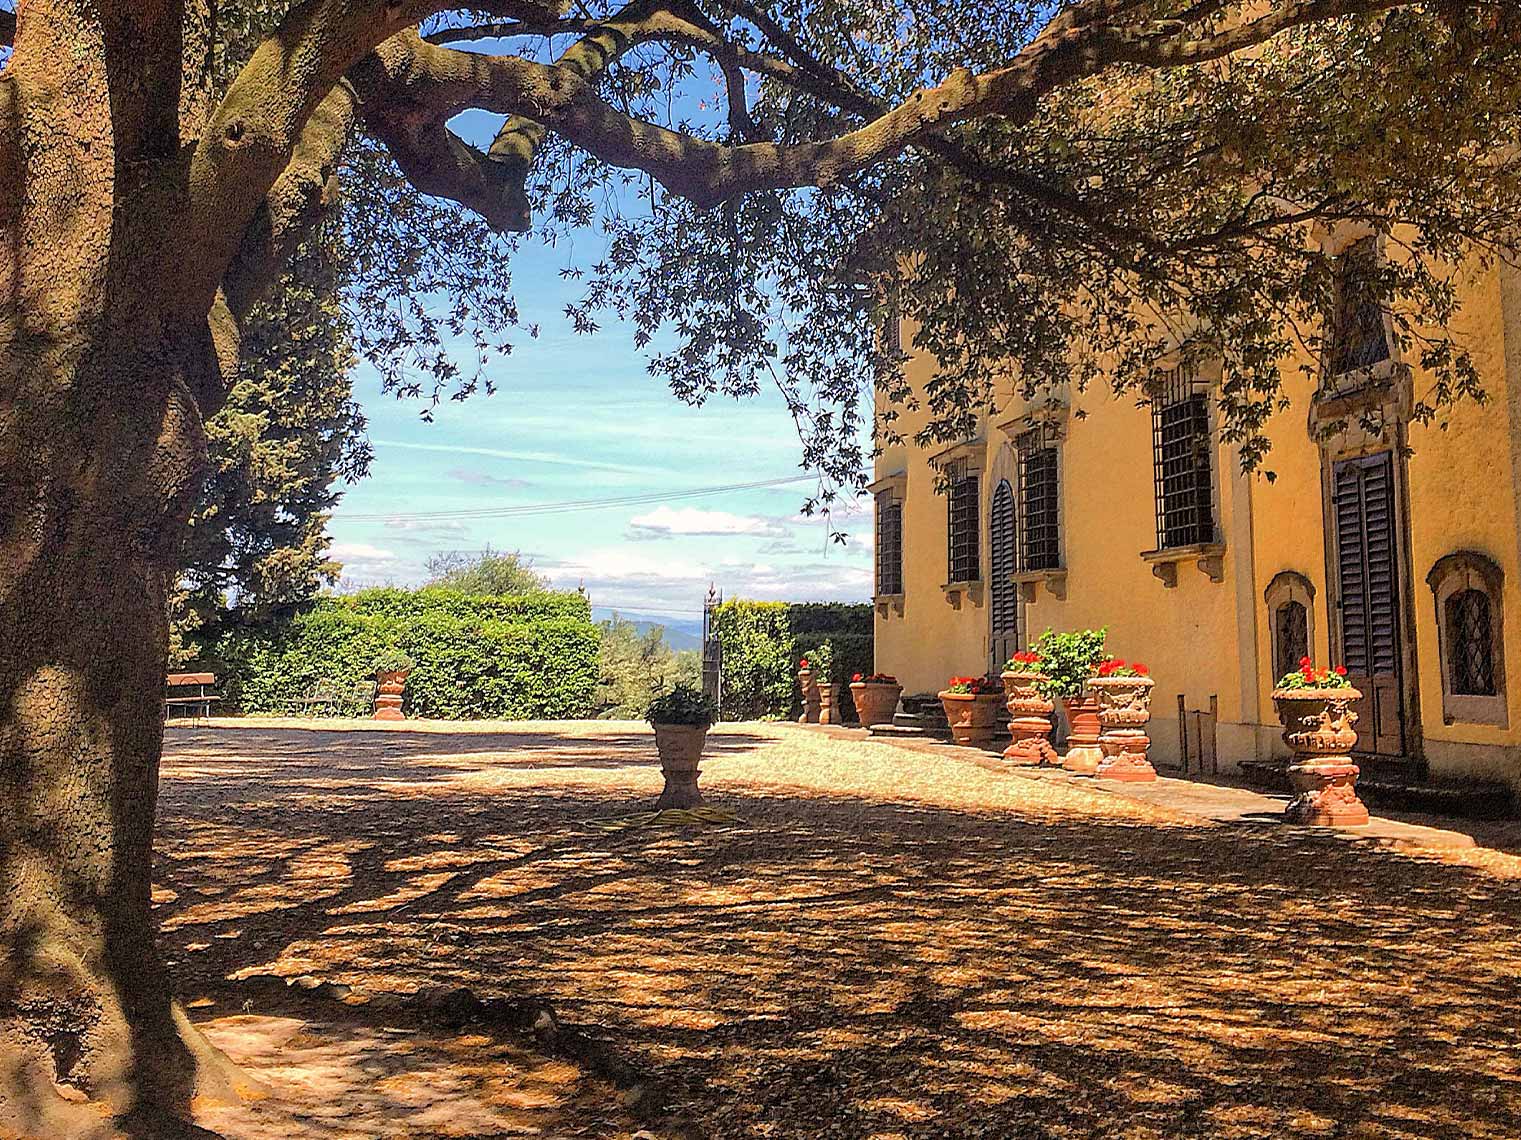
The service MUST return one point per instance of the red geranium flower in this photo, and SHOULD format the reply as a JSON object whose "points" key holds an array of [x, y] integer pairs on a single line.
{"points": [[1305, 662], [857, 677], [1341, 670], [1139, 668], [803, 664]]}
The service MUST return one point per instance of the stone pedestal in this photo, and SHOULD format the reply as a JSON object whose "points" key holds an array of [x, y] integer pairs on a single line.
{"points": [[810, 691], [388, 692], [1083, 756], [1124, 710], [829, 709], [1029, 721], [1319, 725], [680, 747]]}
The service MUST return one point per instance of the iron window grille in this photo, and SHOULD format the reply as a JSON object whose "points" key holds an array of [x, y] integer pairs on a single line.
{"points": [[1292, 637], [1181, 446], [963, 556], [1470, 634], [1359, 336], [1039, 503], [889, 545]]}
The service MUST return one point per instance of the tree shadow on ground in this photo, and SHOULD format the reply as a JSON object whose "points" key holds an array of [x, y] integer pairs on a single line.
{"points": [[853, 966]]}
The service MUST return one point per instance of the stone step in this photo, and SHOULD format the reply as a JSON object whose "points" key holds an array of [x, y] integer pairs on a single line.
{"points": [[909, 732]]}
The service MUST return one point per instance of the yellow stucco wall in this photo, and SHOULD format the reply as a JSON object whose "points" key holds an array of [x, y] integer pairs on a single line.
{"points": [[1204, 638]]}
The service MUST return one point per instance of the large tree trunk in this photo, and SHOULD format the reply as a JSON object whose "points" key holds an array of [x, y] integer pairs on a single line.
{"points": [[101, 454]]}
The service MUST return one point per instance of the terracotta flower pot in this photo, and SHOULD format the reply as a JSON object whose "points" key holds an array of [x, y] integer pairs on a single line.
{"points": [[1124, 709], [389, 686], [1319, 725], [875, 703], [1029, 720], [680, 747], [810, 690], [1083, 731], [973, 717]]}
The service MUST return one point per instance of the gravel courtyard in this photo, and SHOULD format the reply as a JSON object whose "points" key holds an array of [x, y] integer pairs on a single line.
{"points": [[887, 944]]}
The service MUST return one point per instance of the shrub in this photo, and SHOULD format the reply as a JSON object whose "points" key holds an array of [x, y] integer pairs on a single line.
{"points": [[683, 705], [469, 662], [763, 642], [634, 665]]}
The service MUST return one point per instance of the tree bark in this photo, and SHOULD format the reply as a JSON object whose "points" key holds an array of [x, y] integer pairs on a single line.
{"points": [[101, 453]]}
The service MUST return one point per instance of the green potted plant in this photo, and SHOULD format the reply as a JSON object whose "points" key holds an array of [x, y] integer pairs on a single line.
{"points": [[1029, 710], [1315, 708], [971, 709], [821, 658], [681, 719], [391, 669], [876, 697], [1068, 660], [1123, 690]]}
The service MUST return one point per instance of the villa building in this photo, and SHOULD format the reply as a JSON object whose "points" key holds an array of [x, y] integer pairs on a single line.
{"points": [[1397, 554]]}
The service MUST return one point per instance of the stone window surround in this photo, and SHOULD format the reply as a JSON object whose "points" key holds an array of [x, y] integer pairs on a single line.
{"points": [[973, 452], [1051, 417], [1453, 573], [894, 484], [1207, 557], [1289, 586]]}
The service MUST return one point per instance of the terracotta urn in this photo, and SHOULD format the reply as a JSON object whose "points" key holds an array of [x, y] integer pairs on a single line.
{"points": [[875, 702], [389, 685], [1124, 709], [1083, 731], [680, 747], [829, 709], [1029, 720], [810, 691], [973, 717], [1318, 724]]}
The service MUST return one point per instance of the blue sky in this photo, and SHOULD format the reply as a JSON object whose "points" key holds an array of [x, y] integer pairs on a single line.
{"points": [[578, 417]]}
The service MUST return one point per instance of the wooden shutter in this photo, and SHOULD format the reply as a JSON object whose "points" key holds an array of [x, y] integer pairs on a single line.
{"points": [[1003, 594], [1368, 588]]}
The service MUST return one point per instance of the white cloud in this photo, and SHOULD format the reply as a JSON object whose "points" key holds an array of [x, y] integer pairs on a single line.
{"points": [[355, 551], [667, 522], [522, 456]]}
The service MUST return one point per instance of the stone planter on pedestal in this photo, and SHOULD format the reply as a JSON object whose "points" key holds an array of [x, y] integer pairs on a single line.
{"points": [[1083, 756], [1318, 726], [973, 717], [1124, 708], [876, 703], [389, 685], [1029, 721], [810, 690], [680, 747], [829, 709]]}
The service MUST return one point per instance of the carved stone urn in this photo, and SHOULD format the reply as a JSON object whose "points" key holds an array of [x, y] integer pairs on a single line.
{"points": [[1124, 708], [1318, 724], [875, 702], [973, 717], [680, 747], [1029, 720], [810, 690], [389, 686], [1083, 756]]}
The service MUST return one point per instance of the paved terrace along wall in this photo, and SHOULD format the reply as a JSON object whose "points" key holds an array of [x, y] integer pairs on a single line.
{"points": [[1204, 637]]}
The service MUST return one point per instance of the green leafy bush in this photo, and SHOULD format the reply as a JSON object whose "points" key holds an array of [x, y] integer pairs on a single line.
{"points": [[763, 642], [1068, 660], [469, 663], [683, 705]]}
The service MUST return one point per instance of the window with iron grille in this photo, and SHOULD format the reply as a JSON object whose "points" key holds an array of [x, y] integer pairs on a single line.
{"points": [[1181, 447], [892, 330], [963, 526], [1291, 637], [1039, 503], [1470, 639], [889, 545], [1359, 336]]}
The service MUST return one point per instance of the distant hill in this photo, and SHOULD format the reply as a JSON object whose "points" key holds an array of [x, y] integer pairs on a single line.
{"points": [[680, 632]]}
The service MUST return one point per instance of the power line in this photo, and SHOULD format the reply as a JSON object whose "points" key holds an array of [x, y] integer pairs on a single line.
{"points": [[528, 509]]}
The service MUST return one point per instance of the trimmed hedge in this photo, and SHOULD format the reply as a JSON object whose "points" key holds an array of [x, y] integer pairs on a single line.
{"points": [[763, 642], [534, 656]]}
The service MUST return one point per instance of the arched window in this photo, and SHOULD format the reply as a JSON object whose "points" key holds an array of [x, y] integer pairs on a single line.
{"points": [[1467, 587], [1291, 608], [1003, 594]]}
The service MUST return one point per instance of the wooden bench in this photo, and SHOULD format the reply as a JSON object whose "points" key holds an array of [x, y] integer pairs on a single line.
{"points": [[178, 694]]}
